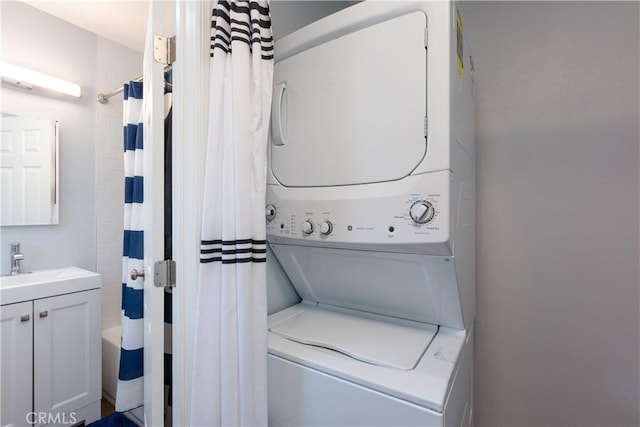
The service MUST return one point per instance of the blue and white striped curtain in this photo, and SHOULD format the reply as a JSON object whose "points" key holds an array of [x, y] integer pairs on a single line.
{"points": [[230, 362], [130, 392]]}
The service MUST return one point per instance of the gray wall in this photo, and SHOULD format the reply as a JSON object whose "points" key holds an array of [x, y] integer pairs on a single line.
{"points": [[288, 16], [558, 198]]}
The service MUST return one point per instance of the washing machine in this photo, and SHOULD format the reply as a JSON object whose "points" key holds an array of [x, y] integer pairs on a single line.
{"points": [[370, 212]]}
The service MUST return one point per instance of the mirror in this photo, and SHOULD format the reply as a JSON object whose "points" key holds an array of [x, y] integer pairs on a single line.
{"points": [[28, 171]]}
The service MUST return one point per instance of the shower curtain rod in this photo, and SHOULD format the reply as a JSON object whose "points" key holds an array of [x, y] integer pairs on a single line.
{"points": [[103, 98]]}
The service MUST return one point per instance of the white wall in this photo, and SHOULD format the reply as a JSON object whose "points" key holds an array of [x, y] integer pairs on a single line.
{"points": [[35, 40], [91, 214], [557, 334]]}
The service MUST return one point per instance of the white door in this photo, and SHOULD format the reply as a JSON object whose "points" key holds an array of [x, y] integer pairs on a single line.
{"points": [[160, 23], [17, 374], [27, 153]]}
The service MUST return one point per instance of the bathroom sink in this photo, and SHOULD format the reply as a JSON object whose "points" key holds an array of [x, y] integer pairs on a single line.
{"points": [[46, 283]]}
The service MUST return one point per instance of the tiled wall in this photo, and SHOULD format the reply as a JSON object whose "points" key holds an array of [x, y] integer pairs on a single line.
{"points": [[116, 65]]}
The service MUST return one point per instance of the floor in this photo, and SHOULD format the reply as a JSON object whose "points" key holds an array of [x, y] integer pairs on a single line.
{"points": [[106, 408]]}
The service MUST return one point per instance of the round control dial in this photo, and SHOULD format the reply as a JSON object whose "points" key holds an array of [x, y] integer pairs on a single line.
{"points": [[307, 227], [421, 211], [326, 227], [270, 212]]}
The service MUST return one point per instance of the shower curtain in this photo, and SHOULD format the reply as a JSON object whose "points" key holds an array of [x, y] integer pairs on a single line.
{"points": [[129, 394], [230, 362]]}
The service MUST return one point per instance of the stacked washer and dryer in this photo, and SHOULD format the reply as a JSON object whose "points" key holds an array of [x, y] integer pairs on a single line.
{"points": [[371, 213]]}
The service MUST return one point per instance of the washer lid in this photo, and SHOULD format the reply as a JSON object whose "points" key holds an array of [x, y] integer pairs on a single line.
{"points": [[368, 340]]}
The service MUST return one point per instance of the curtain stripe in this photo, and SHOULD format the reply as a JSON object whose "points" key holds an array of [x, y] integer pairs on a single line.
{"points": [[133, 189], [131, 363], [132, 300], [233, 251], [233, 261], [233, 242], [133, 244], [133, 136]]}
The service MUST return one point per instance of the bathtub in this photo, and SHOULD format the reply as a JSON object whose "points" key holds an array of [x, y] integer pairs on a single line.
{"points": [[110, 366], [110, 362]]}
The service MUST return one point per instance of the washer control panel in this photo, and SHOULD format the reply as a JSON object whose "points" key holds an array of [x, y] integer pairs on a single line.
{"points": [[378, 214]]}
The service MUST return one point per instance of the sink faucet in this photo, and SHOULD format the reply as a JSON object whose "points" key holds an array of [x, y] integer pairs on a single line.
{"points": [[16, 257]]}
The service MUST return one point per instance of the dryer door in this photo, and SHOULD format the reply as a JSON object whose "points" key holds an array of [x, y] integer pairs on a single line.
{"points": [[352, 110]]}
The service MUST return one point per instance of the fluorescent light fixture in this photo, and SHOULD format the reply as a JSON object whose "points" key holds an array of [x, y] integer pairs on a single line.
{"points": [[29, 78]]}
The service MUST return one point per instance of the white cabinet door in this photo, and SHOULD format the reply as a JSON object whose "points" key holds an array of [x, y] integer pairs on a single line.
{"points": [[17, 374], [67, 353]]}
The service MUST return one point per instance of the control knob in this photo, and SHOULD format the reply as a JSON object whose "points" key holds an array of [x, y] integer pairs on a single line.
{"points": [[326, 228], [307, 227], [270, 212], [421, 211]]}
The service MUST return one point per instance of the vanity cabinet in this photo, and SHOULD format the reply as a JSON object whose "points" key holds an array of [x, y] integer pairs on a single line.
{"points": [[51, 360]]}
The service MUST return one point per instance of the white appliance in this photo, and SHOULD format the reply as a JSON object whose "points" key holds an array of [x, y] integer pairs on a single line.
{"points": [[371, 213]]}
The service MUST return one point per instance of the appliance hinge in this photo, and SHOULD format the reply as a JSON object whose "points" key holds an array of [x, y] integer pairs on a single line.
{"points": [[164, 274], [164, 49], [426, 38], [426, 126]]}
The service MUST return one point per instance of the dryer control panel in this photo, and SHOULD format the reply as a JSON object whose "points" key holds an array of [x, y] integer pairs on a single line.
{"points": [[402, 215]]}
